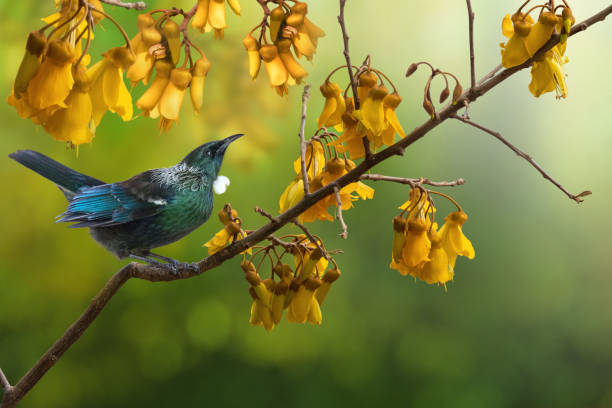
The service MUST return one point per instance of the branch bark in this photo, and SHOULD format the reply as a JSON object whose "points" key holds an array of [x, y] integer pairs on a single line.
{"points": [[136, 5], [528, 158], [154, 274], [412, 181], [471, 28]]}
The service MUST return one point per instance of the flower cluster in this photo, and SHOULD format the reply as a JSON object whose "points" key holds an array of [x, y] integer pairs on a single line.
{"points": [[286, 27], [322, 169], [210, 15], [158, 46], [300, 290], [53, 87], [375, 119], [526, 37], [231, 231], [422, 250]]}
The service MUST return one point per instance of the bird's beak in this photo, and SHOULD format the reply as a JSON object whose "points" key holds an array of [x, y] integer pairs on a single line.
{"points": [[230, 139], [226, 142]]}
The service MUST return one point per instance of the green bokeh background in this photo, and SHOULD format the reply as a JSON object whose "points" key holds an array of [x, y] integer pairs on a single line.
{"points": [[528, 322]]}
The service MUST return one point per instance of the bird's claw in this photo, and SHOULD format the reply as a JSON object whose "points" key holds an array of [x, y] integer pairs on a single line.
{"points": [[171, 265]]}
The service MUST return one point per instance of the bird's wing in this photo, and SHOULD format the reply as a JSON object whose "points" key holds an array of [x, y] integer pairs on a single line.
{"points": [[117, 203]]}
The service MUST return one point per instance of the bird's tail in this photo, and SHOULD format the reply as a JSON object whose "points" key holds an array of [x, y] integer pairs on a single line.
{"points": [[68, 180]]}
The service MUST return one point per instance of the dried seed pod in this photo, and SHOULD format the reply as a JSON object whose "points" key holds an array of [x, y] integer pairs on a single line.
{"points": [[457, 92], [411, 69], [444, 94]]}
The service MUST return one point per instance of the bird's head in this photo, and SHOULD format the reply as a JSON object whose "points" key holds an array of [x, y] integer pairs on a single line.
{"points": [[209, 156]]}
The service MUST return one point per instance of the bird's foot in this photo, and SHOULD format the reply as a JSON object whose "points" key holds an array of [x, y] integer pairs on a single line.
{"points": [[172, 265]]}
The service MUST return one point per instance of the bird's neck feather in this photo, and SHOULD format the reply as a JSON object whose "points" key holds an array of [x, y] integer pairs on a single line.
{"points": [[184, 177]]}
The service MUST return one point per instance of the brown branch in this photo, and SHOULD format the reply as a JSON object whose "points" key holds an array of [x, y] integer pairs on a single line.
{"points": [[154, 274], [4, 383], [305, 97], [266, 214], [136, 5], [349, 67], [528, 158], [471, 27], [344, 234], [413, 181]]}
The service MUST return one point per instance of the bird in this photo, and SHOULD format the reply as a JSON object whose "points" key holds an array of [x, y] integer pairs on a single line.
{"points": [[150, 210]]}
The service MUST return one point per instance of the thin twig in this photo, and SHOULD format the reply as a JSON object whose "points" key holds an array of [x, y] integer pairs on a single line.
{"points": [[525, 156], [471, 27], [311, 238], [344, 234], [266, 214], [490, 75], [154, 274], [412, 181], [4, 382], [305, 96], [349, 67], [136, 5]]}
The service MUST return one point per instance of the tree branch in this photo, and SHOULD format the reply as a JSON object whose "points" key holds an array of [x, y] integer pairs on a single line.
{"points": [[349, 67], [305, 97], [136, 5], [412, 181], [525, 156], [4, 383], [471, 28], [344, 234], [154, 274]]}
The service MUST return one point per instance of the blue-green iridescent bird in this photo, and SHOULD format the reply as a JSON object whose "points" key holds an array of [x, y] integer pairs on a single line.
{"points": [[151, 209]]}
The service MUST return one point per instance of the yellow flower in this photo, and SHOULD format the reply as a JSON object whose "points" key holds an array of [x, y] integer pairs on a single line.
{"points": [[30, 63], [261, 314], [334, 106], [196, 87], [108, 91], [318, 211], [53, 80], [151, 97], [366, 81], [292, 194], [304, 305], [200, 18], [216, 19], [308, 34], [73, 123], [540, 32], [277, 16], [438, 269], [390, 103], [172, 34], [142, 67], [416, 248], [252, 47], [222, 238], [372, 113], [277, 73], [399, 238], [351, 140], [314, 163], [328, 278], [172, 97], [517, 28], [293, 67], [454, 242], [547, 74]]}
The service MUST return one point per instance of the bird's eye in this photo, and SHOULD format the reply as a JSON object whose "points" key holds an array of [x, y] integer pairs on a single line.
{"points": [[208, 153]]}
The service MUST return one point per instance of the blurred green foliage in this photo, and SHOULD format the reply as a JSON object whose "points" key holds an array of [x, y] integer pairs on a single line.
{"points": [[527, 323]]}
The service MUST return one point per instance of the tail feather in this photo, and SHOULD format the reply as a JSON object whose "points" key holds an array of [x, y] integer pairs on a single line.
{"points": [[67, 179]]}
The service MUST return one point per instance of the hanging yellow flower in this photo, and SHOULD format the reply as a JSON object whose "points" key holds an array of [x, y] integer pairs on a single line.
{"points": [[454, 242], [516, 28], [547, 74], [151, 97], [53, 80], [74, 122], [108, 91], [172, 97], [198, 78]]}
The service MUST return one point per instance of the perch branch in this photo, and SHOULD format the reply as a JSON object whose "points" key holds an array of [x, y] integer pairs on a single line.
{"points": [[528, 158], [155, 274]]}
